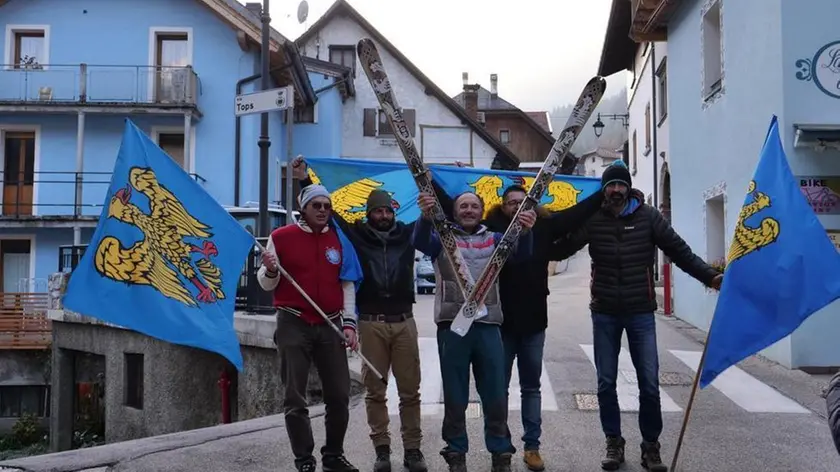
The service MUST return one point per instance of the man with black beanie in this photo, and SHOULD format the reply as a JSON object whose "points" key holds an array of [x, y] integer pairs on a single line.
{"points": [[622, 239], [387, 329]]}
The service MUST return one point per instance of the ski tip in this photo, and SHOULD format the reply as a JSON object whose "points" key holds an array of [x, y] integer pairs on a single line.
{"points": [[598, 81], [365, 43]]}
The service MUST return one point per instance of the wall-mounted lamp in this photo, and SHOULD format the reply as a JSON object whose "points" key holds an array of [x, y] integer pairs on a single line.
{"points": [[598, 126]]}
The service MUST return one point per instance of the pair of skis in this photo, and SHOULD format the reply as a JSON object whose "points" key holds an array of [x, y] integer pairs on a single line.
{"points": [[474, 292]]}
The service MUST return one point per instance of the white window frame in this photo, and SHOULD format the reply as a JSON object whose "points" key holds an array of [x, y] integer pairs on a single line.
{"points": [[5, 128], [32, 258], [11, 30], [189, 161], [154, 31]]}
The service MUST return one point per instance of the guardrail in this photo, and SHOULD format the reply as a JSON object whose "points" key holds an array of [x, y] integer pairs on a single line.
{"points": [[98, 84], [56, 193]]}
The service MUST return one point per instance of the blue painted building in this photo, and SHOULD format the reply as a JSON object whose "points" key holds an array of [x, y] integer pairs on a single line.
{"points": [[732, 64], [72, 71]]}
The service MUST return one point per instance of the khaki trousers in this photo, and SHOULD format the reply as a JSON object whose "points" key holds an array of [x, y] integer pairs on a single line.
{"points": [[392, 346]]}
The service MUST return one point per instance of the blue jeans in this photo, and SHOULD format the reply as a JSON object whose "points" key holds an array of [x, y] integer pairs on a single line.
{"points": [[641, 338], [528, 351], [482, 349]]}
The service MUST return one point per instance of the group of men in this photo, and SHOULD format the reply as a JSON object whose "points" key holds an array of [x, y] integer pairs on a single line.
{"points": [[361, 275]]}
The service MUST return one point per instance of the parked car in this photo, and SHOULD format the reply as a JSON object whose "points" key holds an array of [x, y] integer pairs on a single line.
{"points": [[424, 275]]}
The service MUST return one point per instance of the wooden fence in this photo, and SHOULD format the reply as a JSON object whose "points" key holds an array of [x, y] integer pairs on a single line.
{"points": [[23, 321]]}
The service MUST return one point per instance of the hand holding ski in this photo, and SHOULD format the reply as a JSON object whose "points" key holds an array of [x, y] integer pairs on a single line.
{"points": [[588, 100]]}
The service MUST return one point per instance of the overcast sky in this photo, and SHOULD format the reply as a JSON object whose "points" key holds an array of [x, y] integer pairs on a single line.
{"points": [[543, 51]]}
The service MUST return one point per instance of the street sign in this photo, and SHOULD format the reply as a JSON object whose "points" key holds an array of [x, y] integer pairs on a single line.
{"points": [[263, 101]]}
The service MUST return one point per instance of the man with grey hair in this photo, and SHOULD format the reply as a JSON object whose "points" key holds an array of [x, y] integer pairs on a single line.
{"points": [[324, 264]]}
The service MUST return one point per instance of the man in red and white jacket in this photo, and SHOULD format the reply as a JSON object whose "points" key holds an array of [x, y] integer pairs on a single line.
{"points": [[321, 262]]}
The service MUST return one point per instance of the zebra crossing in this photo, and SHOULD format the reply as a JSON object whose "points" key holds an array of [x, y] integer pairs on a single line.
{"points": [[741, 388]]}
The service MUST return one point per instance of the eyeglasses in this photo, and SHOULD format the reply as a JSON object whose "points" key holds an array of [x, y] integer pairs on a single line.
{"points": [[321, 206], [513, 202]]}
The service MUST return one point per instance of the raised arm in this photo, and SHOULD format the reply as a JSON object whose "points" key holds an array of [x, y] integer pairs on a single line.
{"points": [[568, 245], [566, 221], [678, 250], [524, 247], [300, 174], [425, 239]]}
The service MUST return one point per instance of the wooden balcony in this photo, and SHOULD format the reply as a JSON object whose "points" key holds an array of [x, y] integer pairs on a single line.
{"points": [[23, 321], [648, 19]]}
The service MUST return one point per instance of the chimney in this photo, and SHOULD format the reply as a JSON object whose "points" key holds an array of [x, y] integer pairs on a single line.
{"points": [[471, 100], [494, 85], [254, 7], [465, 76]]}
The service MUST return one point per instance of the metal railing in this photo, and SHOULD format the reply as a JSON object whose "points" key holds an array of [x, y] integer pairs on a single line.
{"points": [[56, 194], [98, 84], [250, 297]]}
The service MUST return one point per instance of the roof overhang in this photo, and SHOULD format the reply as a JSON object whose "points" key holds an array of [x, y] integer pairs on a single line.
{"points": [[819, 137], [649, 19], [619, 50]]}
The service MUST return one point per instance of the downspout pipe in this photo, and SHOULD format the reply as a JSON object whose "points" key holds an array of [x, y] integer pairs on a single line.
{"points": [[655, 126], [237, 145]]}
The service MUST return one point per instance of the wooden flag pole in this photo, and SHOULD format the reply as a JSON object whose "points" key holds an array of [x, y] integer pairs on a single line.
{"points": [[690, 404]]}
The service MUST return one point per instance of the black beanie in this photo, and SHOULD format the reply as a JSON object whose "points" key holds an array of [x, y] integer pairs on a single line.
{"points": [[378, 199], [616, 172]]}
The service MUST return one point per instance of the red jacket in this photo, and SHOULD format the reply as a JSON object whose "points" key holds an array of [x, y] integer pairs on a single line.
{"points": [[314, 261]]}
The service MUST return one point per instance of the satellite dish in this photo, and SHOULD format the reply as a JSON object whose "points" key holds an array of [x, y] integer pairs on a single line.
{"points": [[303, 11]]}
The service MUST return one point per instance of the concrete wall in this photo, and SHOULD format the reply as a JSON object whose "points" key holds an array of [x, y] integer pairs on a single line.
{"points": [[715, 141], [437, 145], [21, 368]]}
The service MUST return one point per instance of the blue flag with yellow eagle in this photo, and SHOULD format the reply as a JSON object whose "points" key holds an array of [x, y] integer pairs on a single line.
{"points": [[781, 267], [350, 181], [166, 258]]}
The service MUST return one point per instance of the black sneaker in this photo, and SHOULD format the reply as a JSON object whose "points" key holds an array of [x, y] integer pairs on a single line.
{"points": [[383, 459], [457, 461], [651, 459], [414, 461], [337, 464], [615, 453], [501, 462]]}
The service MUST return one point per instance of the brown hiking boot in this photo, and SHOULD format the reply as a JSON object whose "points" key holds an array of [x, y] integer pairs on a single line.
{"points": [[533, 460], [615, 454], [651, 460]]}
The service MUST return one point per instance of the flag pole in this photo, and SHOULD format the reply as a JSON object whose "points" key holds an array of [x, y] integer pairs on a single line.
{"points": [[690, 404], [332, 325]]}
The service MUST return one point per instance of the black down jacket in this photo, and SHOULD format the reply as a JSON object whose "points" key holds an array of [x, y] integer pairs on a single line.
{"points": [[623, 251]]}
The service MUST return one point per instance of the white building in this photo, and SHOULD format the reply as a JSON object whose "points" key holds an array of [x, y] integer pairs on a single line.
{"points": [[596, 161], [733, 64], [444, 132]]}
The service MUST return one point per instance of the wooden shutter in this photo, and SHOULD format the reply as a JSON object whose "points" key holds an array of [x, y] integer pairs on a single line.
{"points": [[409, 115], [369, 122]]}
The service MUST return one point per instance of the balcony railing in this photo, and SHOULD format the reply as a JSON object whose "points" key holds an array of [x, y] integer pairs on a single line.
{"points": [[23, 321], [58, 84], [56, 194], [250, 297]]}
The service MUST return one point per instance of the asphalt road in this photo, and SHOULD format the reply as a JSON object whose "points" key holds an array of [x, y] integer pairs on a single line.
{"points": [[742, 423]]}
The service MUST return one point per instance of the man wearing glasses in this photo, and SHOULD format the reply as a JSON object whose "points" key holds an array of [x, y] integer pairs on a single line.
{"points": [[325, 265]]}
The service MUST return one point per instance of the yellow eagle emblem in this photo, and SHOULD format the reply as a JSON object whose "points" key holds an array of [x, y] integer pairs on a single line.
{"points": [[162, 256], [490, 187], [747, 239], [349, 201]]}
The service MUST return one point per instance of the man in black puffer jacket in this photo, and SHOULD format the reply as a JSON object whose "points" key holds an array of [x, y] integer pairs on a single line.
{"points": [[832, 403], [622, 239]]}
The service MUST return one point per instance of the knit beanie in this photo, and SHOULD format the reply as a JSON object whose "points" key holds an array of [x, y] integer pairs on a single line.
{"points": [[616, 172], [311, 191], [378, 199]]}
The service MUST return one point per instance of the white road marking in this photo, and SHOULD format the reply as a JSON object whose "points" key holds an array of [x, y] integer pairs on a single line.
{"points": [[549, 400], [742, 388], [628, 393]]}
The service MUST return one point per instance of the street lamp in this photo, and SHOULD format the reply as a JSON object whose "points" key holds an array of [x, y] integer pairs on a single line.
{"points": [[598, 126], [263, 228]]}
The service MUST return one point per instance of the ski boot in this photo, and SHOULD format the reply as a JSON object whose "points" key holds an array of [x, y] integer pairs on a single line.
{"points": [[615, 453], [383, 459], [651, 460], [414, 461]]}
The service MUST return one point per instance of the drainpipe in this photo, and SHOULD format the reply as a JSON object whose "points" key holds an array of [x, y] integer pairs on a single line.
{"points": [[237, 160], [655, 126]]}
